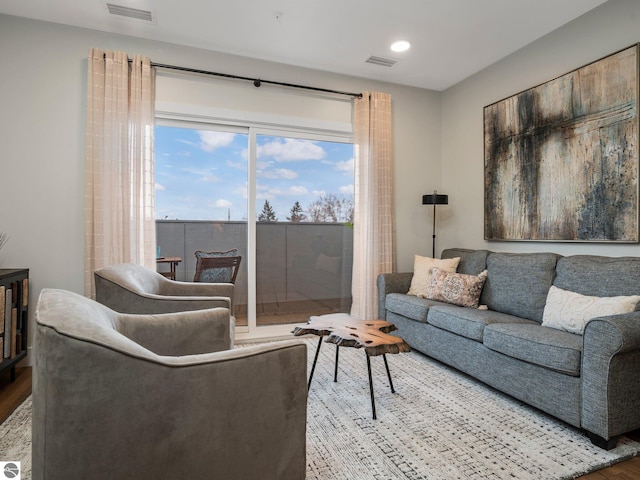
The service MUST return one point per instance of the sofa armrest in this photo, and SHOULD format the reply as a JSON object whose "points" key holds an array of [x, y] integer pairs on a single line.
{"points": [[611, 375], [184, 333], [391, 283]]}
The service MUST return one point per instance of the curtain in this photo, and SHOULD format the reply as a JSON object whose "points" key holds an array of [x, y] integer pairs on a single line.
{"points": [[119, 180], [373, 209]]}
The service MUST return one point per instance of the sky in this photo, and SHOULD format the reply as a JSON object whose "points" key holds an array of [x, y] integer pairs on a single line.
{"points": [[203, 174]]}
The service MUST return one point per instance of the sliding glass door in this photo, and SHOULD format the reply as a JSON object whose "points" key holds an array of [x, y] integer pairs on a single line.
{"points": [[283, 200]]}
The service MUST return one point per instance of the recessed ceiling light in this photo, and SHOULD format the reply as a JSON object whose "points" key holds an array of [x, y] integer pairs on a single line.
{"points": [[400, 46]]}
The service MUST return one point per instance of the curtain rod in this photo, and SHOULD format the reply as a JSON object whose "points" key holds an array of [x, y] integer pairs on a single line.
{"points": [[256, 81]]}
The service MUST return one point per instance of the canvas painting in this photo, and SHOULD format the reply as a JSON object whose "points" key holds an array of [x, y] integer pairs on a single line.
{"points": [[561, 159]]}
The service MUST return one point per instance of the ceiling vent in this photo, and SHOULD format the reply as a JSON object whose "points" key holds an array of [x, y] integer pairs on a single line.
{"points": [[383, 62], [130, 12]]}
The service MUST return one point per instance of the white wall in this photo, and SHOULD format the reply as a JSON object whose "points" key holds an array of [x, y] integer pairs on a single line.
{"points": [[42, 102], [605, 30]]}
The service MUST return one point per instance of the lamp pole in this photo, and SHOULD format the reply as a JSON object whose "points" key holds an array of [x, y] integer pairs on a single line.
{"points": [[433, 254], [434, 200]]}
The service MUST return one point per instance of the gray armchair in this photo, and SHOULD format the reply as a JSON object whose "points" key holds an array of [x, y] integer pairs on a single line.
{"points": [[161, 396], [130, 288]]}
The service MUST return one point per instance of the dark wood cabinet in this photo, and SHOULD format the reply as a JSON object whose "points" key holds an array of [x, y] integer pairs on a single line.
{"points": [[14, 317]]}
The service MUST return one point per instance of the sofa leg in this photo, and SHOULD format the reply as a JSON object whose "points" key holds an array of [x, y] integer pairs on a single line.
{"points": [[603, 443]]}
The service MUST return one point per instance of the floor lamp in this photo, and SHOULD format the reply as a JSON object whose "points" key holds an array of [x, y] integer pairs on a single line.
{"points": [[434, 200]]}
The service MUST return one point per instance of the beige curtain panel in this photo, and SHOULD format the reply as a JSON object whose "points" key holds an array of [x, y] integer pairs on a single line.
{"points": [[373, 212], [119, 181]]}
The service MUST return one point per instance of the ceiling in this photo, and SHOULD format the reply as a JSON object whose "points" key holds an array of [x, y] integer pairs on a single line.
{"points": [[451, 39]]}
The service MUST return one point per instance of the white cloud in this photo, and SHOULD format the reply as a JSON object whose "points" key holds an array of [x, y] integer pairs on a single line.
{"points": [[297, 190], [159, 187], [242, 166], [347, 189], [210, 179], [346, 166], [222, 203], [319, 193], [284, 173], [292, 149], [209, 141]]}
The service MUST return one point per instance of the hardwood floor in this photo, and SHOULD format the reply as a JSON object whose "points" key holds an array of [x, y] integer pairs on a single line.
{"points": [[629, 470], [13, 394]]}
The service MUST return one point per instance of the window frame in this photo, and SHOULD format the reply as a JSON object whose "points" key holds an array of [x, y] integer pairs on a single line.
{"points": [[186, 118]]}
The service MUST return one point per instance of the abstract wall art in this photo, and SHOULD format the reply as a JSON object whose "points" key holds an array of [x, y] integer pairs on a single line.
{"points": [[561, 159]]}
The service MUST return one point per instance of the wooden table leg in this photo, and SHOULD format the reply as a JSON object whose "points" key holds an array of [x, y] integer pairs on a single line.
{"points": [[335, 373]]}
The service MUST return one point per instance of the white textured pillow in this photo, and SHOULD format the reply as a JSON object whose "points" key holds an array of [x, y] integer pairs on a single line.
{"points": [[570, 311], [422, 272]]}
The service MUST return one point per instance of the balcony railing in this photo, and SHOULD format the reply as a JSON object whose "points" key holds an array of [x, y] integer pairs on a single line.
{"points": [[302, 269]]}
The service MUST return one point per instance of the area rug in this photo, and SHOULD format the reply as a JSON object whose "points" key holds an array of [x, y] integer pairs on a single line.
{"points": [[439, 425]]}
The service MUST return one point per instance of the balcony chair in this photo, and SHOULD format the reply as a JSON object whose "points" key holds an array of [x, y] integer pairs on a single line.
{"points": [[130, 288], [161, 396], [217, 267]]}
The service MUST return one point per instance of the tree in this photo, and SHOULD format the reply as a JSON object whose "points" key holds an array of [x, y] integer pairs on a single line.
{"points": [[267, 214], [297, 214], [332, 208]]}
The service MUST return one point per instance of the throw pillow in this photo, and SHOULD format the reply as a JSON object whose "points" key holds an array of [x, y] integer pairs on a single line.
{"points": [[570, 311], [422, 272], [456, 288]]}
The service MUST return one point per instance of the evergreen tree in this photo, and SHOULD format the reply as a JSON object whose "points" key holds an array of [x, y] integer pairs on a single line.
{"points": [[267, 214], [297, 215]]}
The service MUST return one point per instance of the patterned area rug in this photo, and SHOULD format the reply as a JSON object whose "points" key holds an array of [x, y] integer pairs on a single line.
{"points": [[439, 425], [15, 438]]}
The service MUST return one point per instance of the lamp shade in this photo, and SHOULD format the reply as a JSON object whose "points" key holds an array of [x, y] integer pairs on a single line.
{"points": [[435, 199]]}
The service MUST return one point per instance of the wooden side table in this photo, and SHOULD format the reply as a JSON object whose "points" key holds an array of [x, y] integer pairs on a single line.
{"points": [[173, 263], [372, 335]]}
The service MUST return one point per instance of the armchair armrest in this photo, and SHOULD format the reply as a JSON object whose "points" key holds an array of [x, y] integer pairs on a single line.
{"points": [[391, 283], [235, 414], [198, 289], [184, 333], [172, 287], [611, 375]]}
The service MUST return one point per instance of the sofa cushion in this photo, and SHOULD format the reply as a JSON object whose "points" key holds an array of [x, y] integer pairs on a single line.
{"points": [[456, 288], [570, 311], [518, 283], [422, 267], [472, 262], [547, 347], [412, 307], [599, 276], [468, 322]]}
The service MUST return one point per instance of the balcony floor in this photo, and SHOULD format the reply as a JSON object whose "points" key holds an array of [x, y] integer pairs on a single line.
{"points": [[283, 313]]}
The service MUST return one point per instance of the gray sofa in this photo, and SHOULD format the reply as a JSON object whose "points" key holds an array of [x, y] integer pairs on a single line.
{"points": [[591, 381]]}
